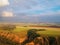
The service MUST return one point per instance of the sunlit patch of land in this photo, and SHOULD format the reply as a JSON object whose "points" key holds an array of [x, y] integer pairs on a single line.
{"points": [[21, 29]]}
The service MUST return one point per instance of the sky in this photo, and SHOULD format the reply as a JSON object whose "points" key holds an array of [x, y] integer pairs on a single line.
{"points": [[30, 11]]}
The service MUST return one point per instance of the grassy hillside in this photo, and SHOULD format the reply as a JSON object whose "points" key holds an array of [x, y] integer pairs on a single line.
{"points": [[21, 31]]}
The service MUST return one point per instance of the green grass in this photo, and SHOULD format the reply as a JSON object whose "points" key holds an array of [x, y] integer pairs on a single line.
{"points": [[22, 31], [49, 31]]}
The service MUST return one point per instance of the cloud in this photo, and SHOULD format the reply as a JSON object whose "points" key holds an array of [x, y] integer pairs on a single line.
{"points": [[50, 13], [30, 6], [38, 7], [4, 3], [7, 14]]}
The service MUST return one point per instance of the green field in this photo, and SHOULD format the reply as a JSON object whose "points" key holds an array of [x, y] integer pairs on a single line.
{"points": [[21, 31]]}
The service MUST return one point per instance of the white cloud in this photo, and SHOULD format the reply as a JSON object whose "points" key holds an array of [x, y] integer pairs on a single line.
{"points": [[7, 14], [4, 3], [32, 5], [50, 13], [46, 13]]}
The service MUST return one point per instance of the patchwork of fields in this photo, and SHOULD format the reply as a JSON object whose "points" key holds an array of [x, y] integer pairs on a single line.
{"points": [[21, 32]]}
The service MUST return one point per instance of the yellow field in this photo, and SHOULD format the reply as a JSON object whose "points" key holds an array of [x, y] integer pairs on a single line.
{"points": [[21, 31]]}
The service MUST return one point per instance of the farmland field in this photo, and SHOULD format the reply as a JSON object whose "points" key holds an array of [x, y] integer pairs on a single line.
{"points": [[21, 31]]}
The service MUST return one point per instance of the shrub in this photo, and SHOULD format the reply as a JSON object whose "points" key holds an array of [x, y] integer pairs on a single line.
{"points": [[8, 27]]}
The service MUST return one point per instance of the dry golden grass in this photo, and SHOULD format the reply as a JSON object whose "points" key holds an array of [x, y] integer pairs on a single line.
{"points": [[19, 34]]}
